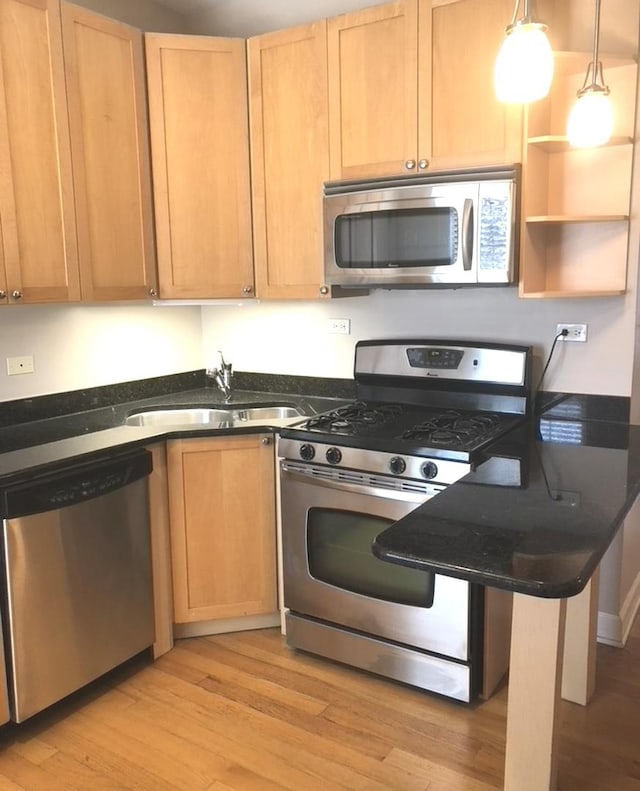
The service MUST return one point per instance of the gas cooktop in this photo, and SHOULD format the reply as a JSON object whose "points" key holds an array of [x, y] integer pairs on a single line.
{"points": [[419, 398], [405, 428]]}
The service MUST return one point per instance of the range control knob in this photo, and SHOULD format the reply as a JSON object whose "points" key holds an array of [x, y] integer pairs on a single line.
{"points": [[307, 452], [334, 455], [429, 470], [397, 465]]}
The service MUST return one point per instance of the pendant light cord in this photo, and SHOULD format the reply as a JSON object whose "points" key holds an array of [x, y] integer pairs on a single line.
{"points": [[596, 38], [515, 13]]}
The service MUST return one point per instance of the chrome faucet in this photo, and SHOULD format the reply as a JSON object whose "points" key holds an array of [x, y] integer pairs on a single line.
{"points": [[222, 376]]}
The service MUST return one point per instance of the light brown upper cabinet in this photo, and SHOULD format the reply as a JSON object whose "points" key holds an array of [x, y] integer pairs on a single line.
{"points": [[36, 189], [379, 65], [411, 89], [222, 513], [104, 67], [289, 159], [200, 160], [470, 127]]}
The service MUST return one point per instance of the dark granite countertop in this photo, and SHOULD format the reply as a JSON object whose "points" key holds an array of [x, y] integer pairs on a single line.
{"points": [[33, 446], [543, 537], [540, 530]]}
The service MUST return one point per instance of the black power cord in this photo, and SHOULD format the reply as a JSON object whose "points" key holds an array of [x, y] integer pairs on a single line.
{"points": [[562, 334]]}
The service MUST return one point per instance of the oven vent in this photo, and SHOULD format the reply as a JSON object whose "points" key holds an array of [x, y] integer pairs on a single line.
{"points": [[400, 485], [425, 489]]}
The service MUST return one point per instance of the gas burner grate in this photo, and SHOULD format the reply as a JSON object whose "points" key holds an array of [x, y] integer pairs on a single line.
{"points": [[355, 418], [454, 429]]}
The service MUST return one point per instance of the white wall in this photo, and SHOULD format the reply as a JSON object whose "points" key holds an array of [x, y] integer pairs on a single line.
{"points": [[293, 338], [619, 598], [88, 346], [251, 17], [143, 14]]}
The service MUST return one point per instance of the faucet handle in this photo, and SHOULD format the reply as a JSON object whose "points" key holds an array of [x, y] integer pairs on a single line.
{"points": [[224, 365]]}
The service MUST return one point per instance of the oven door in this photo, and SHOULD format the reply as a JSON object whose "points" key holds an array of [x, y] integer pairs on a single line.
{"points": [[330, 573]]}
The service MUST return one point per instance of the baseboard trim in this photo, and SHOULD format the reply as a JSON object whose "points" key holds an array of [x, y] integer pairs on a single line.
{"points": [[614, 629], [203, 628]]}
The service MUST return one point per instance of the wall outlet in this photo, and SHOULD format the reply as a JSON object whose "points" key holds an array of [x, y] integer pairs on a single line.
{"points": [[570, 499], [20, 365], [339, 326], [577, 332]]}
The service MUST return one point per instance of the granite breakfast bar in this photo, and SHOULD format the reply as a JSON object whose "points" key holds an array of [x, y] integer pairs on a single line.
{"points": [[543, 540]]}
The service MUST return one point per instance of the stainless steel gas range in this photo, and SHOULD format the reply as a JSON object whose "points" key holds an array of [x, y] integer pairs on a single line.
{"points": [[425, 413]]}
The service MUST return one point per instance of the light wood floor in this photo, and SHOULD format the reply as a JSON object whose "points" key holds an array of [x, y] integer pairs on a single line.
{"points": [[241, 711]]}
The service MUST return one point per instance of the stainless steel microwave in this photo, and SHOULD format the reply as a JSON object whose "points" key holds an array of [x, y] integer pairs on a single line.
{"points": [[449, 229]]}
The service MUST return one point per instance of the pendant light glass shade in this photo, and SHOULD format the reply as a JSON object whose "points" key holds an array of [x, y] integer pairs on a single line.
{"points": [[524, 67], [591, 118]]}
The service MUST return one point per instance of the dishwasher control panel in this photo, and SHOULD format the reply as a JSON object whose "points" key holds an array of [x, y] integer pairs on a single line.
{"points": [[75, 484]]}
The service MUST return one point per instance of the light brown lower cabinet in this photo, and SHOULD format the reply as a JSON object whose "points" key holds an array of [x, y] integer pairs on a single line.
{"points": [[222, 513]]}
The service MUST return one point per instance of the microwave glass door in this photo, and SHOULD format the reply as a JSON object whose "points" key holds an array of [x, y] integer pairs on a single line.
{"points": [[397, 237]]}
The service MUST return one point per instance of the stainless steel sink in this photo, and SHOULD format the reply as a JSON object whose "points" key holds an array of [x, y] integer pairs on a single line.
{"points": [[179, 417], [266, 413], [215, 418]]}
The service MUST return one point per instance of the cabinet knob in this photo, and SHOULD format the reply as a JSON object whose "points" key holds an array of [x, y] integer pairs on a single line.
{"points": [[410, 164], [247, 289], [16, 294], [423, 164], [153, 292], [3, 294], [324, 289], [266, 440]]}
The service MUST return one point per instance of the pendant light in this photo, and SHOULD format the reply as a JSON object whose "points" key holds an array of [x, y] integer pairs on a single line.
{"points": [[591, 118], [524, 66]]}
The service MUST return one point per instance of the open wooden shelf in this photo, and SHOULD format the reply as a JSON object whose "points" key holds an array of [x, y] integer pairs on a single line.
{"points": [[569, 62], [576, 201], [555, 144], [574, 293], [556, 219]]}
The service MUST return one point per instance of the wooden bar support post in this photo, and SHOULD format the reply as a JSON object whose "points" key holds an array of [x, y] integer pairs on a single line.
{"points": [[580, 644], [537, 644]]}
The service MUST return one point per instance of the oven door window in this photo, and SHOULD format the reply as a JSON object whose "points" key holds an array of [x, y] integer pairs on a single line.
{"points": [[339, 553], [390, 238]]}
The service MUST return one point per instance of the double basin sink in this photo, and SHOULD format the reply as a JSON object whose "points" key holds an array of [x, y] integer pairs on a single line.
{"points": [[235, 417]]}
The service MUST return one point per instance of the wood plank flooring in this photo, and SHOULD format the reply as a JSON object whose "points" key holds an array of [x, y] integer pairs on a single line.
{"points": [[241, 712]]}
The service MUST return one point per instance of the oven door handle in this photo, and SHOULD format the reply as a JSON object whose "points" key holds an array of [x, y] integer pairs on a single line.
{"points": [[336, 479]]}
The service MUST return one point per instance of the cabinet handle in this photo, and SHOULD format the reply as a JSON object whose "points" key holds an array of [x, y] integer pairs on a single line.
{"points": [[410, 164], [423, 164], [247, 289], [16, 294], [324, 289], [266, 440], [153, 292]]}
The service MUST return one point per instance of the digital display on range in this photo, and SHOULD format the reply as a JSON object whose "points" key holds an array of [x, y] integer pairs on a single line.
{"points": [[430, 357]]}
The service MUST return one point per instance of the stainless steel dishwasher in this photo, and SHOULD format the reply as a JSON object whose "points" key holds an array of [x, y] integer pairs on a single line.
{"points": [[77, 588]]}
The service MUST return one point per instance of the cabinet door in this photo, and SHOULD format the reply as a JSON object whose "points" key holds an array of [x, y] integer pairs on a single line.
{"points": [[290, 159], [200, 160], [373, 91], [104, 69], [36, 189], [470, 127], [222, 512]]}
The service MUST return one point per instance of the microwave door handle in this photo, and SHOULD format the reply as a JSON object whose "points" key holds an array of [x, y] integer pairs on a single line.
{"points": [[467, 234]]}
